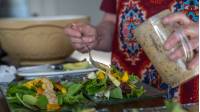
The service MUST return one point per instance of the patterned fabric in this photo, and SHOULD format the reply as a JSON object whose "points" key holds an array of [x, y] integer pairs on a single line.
{"points": [[127, 55]]}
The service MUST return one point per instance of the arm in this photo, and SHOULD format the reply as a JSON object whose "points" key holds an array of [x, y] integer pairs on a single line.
{"points": [[105, 32]]}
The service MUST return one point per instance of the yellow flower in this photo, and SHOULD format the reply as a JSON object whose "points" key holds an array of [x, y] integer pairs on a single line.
{"points": [[53, 107], [125, 77], [63, 90], [40, 90], [32, 83], [100, 75]]}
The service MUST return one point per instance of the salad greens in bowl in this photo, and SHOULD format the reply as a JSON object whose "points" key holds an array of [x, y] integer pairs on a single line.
{"points": [[112, 87]]}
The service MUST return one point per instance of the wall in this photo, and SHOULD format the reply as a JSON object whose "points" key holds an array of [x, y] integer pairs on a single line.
{"points": [[67, 7]]}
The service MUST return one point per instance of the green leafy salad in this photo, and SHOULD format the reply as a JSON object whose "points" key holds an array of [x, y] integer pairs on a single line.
{"points": [[44, 94], [112, 85]]}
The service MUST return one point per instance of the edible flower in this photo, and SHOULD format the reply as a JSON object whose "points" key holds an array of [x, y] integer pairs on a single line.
{"points": [[100, 75], [53, 107], [125, 77], [33, 83], [40, 91], [61, 88]]}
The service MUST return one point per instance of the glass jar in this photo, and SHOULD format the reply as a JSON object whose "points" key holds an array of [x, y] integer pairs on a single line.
{"points": [[151, 35]]}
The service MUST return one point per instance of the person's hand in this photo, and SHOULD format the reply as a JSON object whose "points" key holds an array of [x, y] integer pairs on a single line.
{"points": [[191, 30], [81, 36]]}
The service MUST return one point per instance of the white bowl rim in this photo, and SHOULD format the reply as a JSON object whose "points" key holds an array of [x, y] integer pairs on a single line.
{"points": [[46, 18]]}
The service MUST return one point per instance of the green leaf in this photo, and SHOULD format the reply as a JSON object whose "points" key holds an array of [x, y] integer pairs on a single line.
{"points": [[95, 86], [133, 77], [25, 104], [19, 88], [174, 107], [74, 88], [29, 99], [60, 99], [73, 99], [116, 93], [12, 99], [115, 70], [42, 102], [139, 91]]}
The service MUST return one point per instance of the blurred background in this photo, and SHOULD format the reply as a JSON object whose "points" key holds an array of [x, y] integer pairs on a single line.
{"points": [[33, 8]]}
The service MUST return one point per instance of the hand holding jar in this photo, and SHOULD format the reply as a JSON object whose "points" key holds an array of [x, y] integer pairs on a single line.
{"points": [[190, 30]]}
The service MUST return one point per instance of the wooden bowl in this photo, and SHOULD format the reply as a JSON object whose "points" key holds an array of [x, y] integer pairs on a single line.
{"points": [[33, 41]]}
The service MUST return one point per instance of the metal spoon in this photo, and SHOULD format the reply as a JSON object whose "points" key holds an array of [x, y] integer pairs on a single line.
{"points": [[97, 64]]}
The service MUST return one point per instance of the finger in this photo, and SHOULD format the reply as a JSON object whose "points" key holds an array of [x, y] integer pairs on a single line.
{"points": [[172, 41], [191, 31], [177, 18], [73, 33], [76, 40], [194, 62], [88, 39], [194, 43], [86, 30], [178, 53]]}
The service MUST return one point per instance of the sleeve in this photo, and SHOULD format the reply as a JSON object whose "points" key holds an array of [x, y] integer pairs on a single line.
{"points": [[108, 6]]}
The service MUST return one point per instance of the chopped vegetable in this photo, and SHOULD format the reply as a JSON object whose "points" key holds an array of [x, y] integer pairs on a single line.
{"points": [[76, 66]]}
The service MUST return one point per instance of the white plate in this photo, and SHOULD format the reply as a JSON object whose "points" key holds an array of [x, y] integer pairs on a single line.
{"points": [[45, 70]]}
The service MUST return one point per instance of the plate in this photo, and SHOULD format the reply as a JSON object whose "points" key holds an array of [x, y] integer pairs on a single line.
{"points": [[47, 71], [150, 93]]}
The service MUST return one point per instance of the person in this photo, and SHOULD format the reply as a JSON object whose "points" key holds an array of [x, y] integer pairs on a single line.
{"points": [[116, 31]]}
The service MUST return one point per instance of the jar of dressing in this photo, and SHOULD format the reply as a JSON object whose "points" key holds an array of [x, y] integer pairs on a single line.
{"points": [[151, 35]]}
